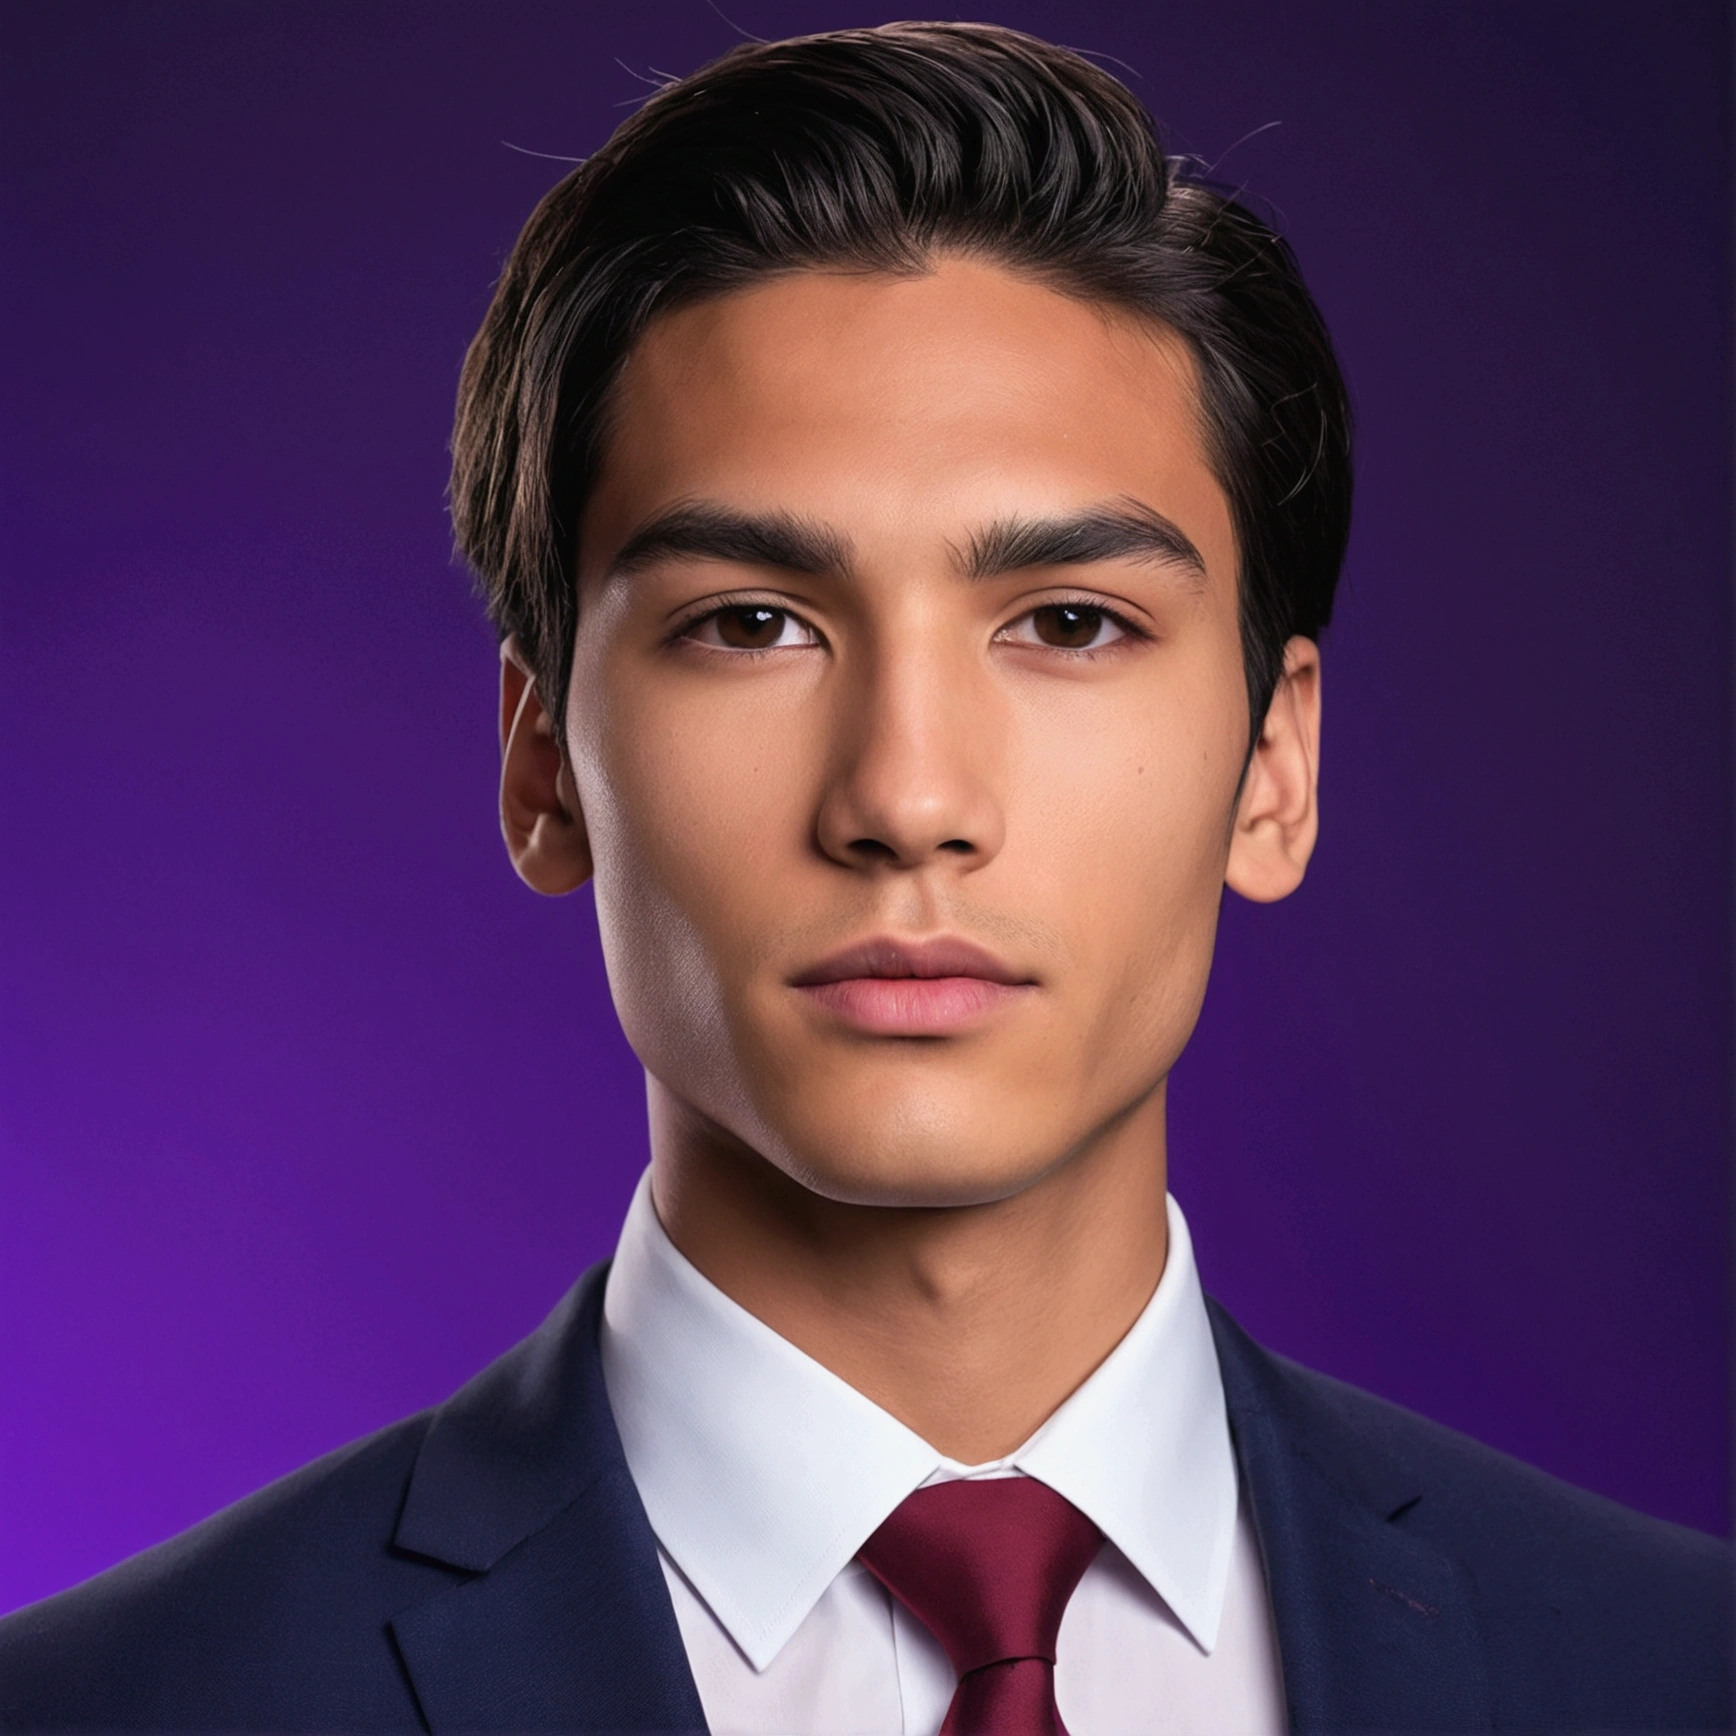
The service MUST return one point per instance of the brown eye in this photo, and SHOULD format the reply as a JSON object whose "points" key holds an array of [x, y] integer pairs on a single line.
{"points": [[750, 628], [1067, 626]]}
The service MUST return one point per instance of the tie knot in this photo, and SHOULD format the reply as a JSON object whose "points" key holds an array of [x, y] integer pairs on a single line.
{"points": [[986, 1565]]}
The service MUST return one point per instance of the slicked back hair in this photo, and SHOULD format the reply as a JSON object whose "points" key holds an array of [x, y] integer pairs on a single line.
{"points": [[880, 150]]}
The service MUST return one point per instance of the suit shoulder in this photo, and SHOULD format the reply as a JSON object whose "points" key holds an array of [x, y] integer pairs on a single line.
{"points": [[230, 1613], [1593, 1615], [1488, 1505]]}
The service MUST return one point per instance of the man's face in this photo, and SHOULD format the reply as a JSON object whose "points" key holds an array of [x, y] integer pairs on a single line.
{"points": [[908, 644]]}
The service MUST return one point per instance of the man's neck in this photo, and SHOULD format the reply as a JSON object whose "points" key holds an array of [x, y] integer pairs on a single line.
{"points": [[970, 1324]]}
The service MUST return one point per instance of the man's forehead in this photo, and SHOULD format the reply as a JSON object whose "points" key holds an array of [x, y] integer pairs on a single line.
{"points": [[801, 327], [970, 394]]}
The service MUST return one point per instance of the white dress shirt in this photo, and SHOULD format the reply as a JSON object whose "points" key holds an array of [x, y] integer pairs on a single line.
{"points": [[763, 1473]]}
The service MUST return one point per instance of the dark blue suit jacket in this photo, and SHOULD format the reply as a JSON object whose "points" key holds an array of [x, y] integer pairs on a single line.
{"points": [[488, 1566]]}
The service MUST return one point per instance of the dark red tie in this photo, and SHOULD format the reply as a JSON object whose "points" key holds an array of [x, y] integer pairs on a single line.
{"points": [[987, 1567]]}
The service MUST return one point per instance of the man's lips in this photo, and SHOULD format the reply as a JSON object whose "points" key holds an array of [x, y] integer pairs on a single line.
{"points": [[925, 960], [911, 988]]}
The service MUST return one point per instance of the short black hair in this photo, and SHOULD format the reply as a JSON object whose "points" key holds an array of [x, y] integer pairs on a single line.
{"points": [[878, 150]]}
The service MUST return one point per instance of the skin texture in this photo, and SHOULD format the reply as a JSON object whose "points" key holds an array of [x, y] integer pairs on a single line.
{"points": [[956, 1205]]}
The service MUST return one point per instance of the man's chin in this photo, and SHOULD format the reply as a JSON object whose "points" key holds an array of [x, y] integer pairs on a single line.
{"points": [[890, 1168], [934, 1127]]}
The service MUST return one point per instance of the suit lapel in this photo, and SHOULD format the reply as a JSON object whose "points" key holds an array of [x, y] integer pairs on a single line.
{"points": [[565, 1621], [566, 1624], [1376, 1627]]}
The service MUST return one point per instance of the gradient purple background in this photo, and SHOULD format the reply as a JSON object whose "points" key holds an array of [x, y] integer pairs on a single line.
{"points": [[309, 1110]]}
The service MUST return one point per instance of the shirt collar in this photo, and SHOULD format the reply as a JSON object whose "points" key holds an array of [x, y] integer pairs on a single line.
{"points": [[763, 1473]]}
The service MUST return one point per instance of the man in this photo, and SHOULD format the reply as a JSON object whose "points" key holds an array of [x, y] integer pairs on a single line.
{"points": [[910, 509]]}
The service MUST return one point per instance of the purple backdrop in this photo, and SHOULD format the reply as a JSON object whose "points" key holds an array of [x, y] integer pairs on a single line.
{"points": [[309, 1109]]}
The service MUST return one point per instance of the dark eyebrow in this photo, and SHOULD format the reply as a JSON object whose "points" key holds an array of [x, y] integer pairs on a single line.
{"points": [[1123, 529], [704, 531]]}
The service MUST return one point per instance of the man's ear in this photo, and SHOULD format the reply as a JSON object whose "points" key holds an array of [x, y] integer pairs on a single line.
{"points": [[539, 803], [1278, 813]]}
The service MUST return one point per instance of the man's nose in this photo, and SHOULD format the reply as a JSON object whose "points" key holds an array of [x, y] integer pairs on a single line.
{"points": [[912, 776]]}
